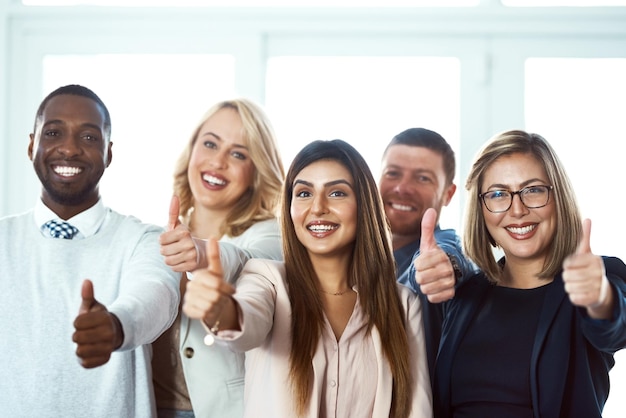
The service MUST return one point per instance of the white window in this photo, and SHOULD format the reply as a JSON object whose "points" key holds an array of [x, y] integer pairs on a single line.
{"points": [[155, 102], [364, 101], [579, 106]]}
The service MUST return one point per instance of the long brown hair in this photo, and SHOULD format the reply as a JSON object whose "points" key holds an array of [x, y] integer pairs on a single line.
{"points": [[372, 270], [261, 201], [477, 241]]}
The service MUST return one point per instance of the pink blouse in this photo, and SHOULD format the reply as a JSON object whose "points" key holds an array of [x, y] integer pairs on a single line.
{"points": [[351, 376]]}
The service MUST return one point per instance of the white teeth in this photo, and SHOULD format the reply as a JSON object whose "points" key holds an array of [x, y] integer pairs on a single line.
{"points": [[67, 171], [522, 230], [321, 228], [401, 207], [213, 180]]}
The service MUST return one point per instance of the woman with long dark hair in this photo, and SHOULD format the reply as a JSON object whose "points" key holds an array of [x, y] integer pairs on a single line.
{"points": [[328, 332]]}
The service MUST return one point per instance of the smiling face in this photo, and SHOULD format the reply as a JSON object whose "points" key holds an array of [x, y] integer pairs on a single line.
{"points": [[324, 208], [220, 169], [70, 152], [524, 234], [413, 179]]}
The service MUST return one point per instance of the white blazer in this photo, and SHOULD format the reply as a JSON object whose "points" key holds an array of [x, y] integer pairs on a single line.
{"points": [[215, 374]]}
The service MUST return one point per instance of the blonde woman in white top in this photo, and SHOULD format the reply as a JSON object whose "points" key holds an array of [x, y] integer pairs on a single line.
{"points": [[227, 184]]}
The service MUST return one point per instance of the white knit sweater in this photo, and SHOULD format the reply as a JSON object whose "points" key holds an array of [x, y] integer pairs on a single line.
{"points": [[40, 294]]}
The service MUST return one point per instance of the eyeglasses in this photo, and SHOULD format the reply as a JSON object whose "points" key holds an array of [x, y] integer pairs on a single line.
{"points": [[533, 197]]}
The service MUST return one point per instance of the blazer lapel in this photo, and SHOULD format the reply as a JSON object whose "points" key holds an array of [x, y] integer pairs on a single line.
{"points": [[550, 327], [461, 311]]}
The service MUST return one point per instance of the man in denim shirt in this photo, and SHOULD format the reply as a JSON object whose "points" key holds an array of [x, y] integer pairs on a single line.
{"points": [[418, 169]]}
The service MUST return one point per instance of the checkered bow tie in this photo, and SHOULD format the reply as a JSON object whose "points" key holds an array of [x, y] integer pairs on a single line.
{"points": [[61, 229]]}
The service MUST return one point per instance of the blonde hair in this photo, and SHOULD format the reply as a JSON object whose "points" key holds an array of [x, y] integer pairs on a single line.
{"points": [[372, 270], [477, 241], [258, 203]]}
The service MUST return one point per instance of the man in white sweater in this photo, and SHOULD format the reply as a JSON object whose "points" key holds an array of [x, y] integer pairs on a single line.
{"points": [[80, 310]]}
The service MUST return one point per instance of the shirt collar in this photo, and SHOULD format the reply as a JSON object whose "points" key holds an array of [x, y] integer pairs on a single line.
{"points": [[88, 221]]}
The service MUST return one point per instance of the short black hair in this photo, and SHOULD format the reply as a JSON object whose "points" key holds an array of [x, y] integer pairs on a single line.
{"points": [[421, 137], [77, 90]]}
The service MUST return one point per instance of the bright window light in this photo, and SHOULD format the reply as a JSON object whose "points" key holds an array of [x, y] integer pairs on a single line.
{"points": [[155, 101], [553, 3], [257, 3], [579, 106], [364, 101]]}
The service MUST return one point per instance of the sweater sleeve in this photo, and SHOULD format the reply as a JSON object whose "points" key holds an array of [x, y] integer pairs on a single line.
{"points": [[148, 298]]}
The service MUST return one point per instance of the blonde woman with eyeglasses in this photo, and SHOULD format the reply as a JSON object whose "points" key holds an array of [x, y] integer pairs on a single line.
{"points": [[533, 334]]}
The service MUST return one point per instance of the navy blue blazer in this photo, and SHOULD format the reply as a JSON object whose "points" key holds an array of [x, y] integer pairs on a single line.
{"points": [[572, 353]]}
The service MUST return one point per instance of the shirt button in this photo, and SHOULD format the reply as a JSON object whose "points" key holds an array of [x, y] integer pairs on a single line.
{"points": [[188, 352], [333, 383]]}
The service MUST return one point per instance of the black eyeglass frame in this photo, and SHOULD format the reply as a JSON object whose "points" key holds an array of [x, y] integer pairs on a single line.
{"points": [[520, 193]]}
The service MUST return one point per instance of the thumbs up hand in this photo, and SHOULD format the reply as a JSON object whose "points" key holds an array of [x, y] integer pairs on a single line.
{"points": [[97, 331], [177, 245], [433, 270], [585, 279], [208, 296]]}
